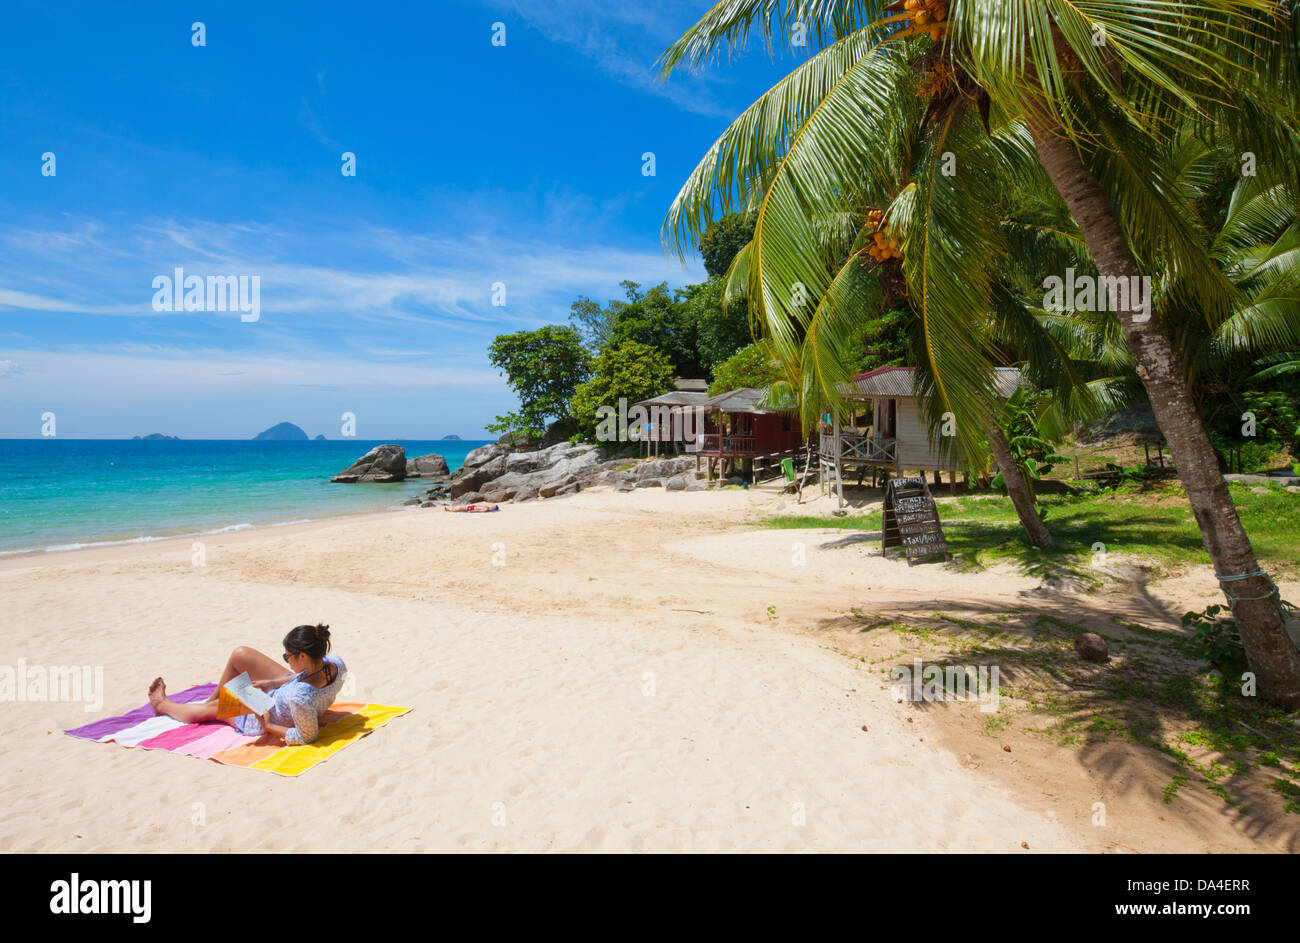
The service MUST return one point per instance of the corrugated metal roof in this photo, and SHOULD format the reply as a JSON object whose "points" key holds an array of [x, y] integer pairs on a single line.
{"points": [[692, 386], [901, 381], [675, 398], [743, 400]]}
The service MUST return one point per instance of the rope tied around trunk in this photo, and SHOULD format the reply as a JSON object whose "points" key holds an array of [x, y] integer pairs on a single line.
{"points": [[1274, 593]]}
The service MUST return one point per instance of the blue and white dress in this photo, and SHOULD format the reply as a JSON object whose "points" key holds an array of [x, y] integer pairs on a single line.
{"points": [[298, 706]]}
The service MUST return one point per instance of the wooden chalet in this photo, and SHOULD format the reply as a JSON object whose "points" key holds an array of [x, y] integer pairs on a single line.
{"points": [[667, 423], [741, 437], [886, 430]]}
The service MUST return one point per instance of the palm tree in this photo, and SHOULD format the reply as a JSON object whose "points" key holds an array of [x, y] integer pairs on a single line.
{"points": [[1101, 90]]}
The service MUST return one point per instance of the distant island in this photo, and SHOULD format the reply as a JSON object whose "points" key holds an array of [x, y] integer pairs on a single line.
{"points": [[156, 437], [320, 438], [450, 438], [283, 432]]}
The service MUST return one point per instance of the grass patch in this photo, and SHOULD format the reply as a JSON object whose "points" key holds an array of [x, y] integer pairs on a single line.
{"points": [[1152, 522]]}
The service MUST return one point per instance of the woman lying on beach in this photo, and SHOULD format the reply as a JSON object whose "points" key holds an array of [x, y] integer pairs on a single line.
{"points": [[300, 698], [470, 508]]}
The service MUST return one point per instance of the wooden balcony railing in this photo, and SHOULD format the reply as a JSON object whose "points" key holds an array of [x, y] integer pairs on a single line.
{"points": [[859, 448], [717, 443]]}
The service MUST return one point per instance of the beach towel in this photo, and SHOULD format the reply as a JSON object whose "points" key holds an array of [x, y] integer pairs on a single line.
{"points": [[341, 725]]}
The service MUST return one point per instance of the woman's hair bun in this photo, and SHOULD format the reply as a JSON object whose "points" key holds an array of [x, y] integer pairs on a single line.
{"points": [[322, 631]]}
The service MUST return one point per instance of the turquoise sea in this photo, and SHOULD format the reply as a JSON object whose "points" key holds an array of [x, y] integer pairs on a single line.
{"points": [[58, 494]]}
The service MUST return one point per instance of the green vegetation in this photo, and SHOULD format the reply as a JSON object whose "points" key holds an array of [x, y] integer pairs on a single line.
{"points": [[543, 367], [630, 370], [1149, 523]]}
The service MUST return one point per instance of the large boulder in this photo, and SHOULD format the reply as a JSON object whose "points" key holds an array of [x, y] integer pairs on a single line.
{"points": [[473, 479], [482, 455], [381, 464], [530, 474], [663, 468], [432, 465]]}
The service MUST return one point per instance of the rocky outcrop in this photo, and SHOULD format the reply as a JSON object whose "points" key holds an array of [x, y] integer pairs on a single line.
{"points": [[501, 474], [432, 465], [383, 463], [472, 478]]}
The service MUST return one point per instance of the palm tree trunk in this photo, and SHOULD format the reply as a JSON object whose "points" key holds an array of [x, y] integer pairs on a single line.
{"points": [[1273, 657], [1014, 478]]}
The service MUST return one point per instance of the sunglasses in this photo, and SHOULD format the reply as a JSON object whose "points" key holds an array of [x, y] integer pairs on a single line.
{"points": [[287, 654]]}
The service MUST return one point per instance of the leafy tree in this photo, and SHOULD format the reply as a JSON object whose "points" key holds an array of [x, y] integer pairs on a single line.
{"points": [[719, 333], [631, 370], [543, 367], [658, 319], [723, 239], [752, 366]]}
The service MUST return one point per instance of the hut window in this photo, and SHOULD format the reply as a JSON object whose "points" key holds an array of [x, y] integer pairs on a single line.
{"points": [[785, 423]]}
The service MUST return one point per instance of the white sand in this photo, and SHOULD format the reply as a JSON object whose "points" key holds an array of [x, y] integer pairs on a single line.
{"points": [[529, 683]]}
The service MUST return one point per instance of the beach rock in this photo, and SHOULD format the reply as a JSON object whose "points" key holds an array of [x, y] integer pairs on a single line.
{"points": [[469, 497], [694, 485], [430, 504], [473, 479], [1292, 489], [482, 455], [624, 485], [529, 472], [1092, 647], [1247, 479], [432, 465], [413, 501], [1259, 489], [663, 468], [676, 483], [650, 483], [496, 497], [562, 430], [382, 463], [527, 494]]}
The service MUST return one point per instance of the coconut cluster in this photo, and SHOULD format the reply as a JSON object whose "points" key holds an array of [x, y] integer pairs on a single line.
{"points": [[931, 13], [885, 247]]}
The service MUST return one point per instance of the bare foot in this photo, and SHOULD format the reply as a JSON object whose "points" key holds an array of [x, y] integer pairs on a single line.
{"points": [[157, 694]]}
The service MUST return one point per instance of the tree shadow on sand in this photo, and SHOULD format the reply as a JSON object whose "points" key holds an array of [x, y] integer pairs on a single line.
{"points": [[1151, 710]]}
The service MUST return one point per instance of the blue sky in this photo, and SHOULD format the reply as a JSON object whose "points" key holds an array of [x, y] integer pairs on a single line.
{"points": [[475, 164]]}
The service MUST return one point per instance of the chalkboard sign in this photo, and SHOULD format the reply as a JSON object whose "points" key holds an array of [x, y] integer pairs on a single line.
{"points": [[911, 520]]}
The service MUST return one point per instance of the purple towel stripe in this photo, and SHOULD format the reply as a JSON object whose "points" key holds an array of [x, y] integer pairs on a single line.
{"points": [[108, 725]]}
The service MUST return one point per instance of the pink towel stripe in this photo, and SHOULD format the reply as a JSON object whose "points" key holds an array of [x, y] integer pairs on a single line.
{"points": [[180, 736], [215, 742]]}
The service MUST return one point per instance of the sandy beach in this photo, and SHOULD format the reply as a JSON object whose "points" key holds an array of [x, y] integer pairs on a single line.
{"points": [[603, 672]]}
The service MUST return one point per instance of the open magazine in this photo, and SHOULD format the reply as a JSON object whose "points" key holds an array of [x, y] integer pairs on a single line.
{"points": [[238, 696]]}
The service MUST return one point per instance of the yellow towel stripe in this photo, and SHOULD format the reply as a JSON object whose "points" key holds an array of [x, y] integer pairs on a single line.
{"points": [[294, 760]]}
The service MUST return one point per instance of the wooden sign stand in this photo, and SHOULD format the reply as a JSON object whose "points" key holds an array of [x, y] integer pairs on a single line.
{"points": [[911, 520]]}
